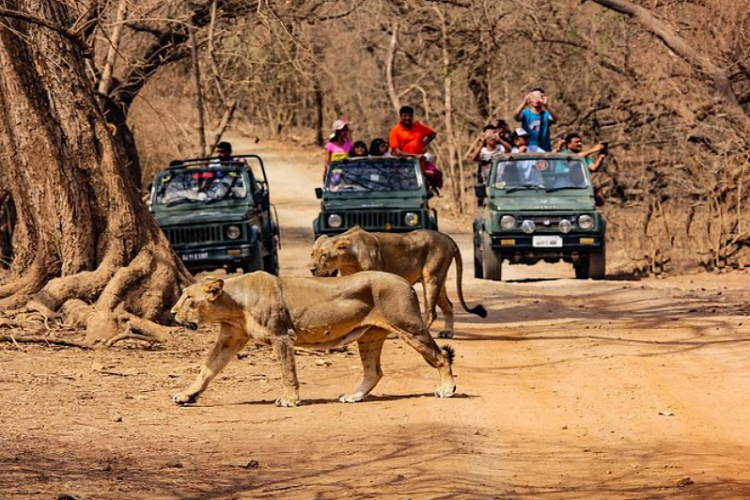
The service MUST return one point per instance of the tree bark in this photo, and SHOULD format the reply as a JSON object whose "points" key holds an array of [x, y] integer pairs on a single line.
{"points": [[392, 47], [82, 234]]}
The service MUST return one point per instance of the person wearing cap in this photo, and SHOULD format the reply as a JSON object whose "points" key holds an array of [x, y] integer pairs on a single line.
{"points": [[527, 172], [409, 138], [491, 146], [520, 139], [339, 143], [536, 118]]}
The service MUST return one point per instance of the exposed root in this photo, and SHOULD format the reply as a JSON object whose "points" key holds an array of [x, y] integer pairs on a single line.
{"points": [[86, 285], [112, 303], [18, 292], [40, 339], [130, 335]]}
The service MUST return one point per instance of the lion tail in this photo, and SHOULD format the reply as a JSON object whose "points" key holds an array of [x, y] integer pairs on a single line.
{"points": [[450, 353], [479, 309]]}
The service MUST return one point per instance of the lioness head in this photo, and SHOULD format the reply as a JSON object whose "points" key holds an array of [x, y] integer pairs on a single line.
{"points": [[328, 254], [196, 301]]}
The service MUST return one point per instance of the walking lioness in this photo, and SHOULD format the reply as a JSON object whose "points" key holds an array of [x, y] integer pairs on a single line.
{"points": [[317, 313], [419, 256]]}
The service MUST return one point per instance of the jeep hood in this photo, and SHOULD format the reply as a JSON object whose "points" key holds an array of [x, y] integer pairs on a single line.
{"points": [[372, 202], [542, 203], [199, 216]]}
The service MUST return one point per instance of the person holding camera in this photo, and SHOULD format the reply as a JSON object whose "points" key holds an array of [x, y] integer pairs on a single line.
{"points": [[536, 118], [572, 143]]}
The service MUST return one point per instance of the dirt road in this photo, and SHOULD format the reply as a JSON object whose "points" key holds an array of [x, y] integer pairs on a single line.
{"points": [[568, 390]]}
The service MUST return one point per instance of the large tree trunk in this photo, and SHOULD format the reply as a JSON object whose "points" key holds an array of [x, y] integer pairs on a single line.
{"points": [[82, 234]]}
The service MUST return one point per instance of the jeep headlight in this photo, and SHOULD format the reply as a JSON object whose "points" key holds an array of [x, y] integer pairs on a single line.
{"points": [[565, 226], [234, 232], [411, 219], [585, 221], [508, 222], [528, 226], [335, 220]]}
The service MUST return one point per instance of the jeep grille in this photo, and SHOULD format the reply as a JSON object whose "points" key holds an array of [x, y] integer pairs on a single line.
{"points": [[187, 235], [374, 220]]}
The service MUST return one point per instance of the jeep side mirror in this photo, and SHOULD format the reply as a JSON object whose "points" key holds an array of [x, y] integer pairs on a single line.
{"points": [[319, 193]]}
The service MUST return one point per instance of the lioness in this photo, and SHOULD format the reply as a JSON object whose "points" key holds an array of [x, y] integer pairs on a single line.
{"points": [[421, 255], [309, 312]]}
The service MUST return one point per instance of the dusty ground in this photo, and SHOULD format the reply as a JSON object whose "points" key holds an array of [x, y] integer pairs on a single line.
{"points": [[570, 389]]}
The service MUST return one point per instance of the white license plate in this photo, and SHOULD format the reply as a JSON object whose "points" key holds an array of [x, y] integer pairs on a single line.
{"points": [[546, 242], [194, 256]]}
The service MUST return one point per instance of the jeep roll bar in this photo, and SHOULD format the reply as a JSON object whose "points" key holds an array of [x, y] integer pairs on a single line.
{"points": [[215, 161]]}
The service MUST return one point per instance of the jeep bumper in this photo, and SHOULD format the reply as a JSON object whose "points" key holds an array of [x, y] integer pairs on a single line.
{"points": [[195, 258], [526, 248]]}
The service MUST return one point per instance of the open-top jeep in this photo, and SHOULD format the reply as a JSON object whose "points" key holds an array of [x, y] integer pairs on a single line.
{"points": [[218, 213], [378, 194], [539, 207]]}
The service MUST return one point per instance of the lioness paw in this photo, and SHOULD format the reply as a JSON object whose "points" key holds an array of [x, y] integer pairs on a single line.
{"points": [[283, 402], [183, 398], [445, 393], [445, 334], [351, 398]]}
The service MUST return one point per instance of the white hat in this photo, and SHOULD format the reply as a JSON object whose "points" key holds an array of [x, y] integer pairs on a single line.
{"points": [[339, 124], [520, 132], [428, 157]]}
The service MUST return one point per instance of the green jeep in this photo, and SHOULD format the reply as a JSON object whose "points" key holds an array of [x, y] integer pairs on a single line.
{"points": [[218, 213], [378, 194], [538, 206]]}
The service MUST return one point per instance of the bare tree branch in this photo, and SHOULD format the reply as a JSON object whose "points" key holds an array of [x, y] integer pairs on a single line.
{"points": [[62, 30], [679, 46]]}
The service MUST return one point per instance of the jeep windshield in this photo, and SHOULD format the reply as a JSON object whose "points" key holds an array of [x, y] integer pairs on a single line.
{"points": [[386, 174], [529, 172], [207, 185]]}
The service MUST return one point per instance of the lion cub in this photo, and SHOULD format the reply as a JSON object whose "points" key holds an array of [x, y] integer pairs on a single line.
{"points": [[317, 313]]}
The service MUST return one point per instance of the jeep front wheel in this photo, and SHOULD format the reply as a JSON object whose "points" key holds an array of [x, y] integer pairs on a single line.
{"points": [[478, 271], [255, 261], [492, 262], [597, 264], [593, 266], [271, 261]]}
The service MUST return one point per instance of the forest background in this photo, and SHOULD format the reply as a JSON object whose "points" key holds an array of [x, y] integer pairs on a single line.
{"points": [[665, 83]]}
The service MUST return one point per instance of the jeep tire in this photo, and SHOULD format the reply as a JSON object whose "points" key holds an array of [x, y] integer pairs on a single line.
{"points": [[593, 266], [492, 262], [478, 271], [597, 265], [271, 261], [255, 261]]}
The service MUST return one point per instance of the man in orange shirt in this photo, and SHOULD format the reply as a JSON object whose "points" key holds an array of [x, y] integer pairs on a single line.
{"points": [[409, 138]]}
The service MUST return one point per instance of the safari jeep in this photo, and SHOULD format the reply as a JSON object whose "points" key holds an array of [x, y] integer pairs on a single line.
{"points": [[538, 207], [218, 214], [378, 194]]}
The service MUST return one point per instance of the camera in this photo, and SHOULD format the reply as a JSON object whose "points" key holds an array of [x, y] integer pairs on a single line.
{"points": [[605, 147]]}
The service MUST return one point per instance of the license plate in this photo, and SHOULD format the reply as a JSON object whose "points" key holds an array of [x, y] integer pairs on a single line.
{"points": [[547, 242], [194, 256]]}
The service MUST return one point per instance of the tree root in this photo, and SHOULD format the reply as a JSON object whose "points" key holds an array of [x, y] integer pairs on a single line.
{"points": [[40, 339], [111, 304]]}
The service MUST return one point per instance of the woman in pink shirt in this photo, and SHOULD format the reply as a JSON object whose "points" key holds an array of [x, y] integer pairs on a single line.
{"points": [[339, 143]]}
